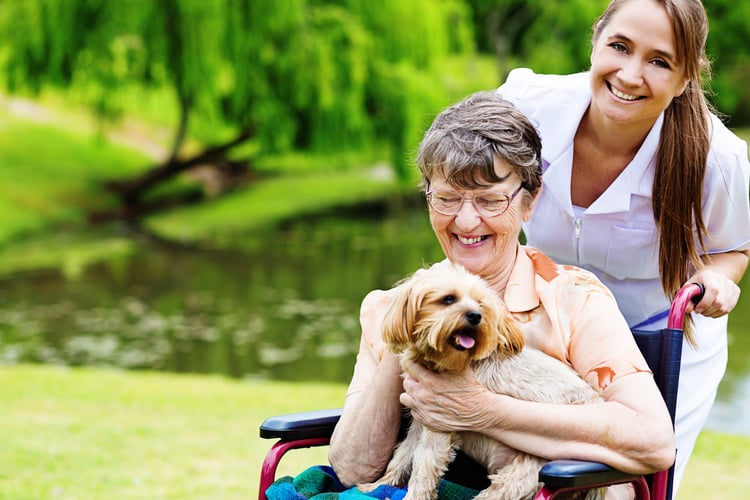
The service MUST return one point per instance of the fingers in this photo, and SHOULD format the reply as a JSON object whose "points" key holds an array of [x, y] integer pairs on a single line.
{"points": [[411, 384], [418, 400], [720, 297], [439, 401], [406, 400]]}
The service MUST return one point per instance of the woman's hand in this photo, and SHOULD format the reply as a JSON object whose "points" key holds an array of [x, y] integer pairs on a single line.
{"points": [[445, 402], [720, 294]]}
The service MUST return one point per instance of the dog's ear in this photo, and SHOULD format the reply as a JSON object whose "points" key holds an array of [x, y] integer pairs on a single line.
{"points": [[401, 316], [511, 337]]}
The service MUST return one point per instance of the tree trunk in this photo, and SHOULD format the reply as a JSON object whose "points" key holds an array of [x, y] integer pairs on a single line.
{"points": [[131, 191]]}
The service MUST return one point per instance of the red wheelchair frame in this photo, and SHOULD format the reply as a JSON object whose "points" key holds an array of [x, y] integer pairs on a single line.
{"points": [[662, 350]]}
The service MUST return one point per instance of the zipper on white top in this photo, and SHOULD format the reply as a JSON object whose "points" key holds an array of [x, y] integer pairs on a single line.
{"points": [[578, 223]]}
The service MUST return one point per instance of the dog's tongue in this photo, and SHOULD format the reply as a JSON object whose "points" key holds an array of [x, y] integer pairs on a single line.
{"points": [[465, 341]]}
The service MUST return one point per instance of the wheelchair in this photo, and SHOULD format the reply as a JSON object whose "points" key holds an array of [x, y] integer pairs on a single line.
{"points": [[662, 350]]}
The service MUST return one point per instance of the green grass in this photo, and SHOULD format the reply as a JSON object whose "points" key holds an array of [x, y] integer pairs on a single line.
{"points": [[49, 175], [91, 433], [719, 468], [268, 202]]}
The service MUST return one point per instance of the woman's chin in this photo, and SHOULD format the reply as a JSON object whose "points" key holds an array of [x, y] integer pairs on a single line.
{"points": [[473, 265]]}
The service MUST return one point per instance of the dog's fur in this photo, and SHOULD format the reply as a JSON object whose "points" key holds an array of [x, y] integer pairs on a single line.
{"points": [[446, 319]]}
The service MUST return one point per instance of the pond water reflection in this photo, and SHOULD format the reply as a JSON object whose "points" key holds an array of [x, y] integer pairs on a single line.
{"points": [[285, 309]]}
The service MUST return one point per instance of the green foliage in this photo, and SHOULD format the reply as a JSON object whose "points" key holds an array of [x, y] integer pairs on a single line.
{"points": [[559, 41], [729, 31], [550, 37], [310, 76], [301, 75], [304, 85]]}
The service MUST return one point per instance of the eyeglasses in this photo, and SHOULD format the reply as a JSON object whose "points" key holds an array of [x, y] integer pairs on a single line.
{"points": [[485, 203]]}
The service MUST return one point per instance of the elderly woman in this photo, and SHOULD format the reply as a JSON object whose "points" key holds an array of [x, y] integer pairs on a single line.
{"points": [[480, 163]]}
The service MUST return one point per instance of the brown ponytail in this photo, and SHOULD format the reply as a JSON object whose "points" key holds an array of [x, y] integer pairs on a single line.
{"points": [[678, 190]]}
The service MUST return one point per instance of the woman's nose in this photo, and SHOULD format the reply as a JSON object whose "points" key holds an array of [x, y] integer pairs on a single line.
{"points": [[631, 73], [467, 217]]}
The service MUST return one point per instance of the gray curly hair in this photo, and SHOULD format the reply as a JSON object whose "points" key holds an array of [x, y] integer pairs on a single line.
{"points": [[464, 139]]}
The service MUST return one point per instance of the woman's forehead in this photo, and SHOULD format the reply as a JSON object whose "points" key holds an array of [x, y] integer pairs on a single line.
{"points": [[477, 181]]}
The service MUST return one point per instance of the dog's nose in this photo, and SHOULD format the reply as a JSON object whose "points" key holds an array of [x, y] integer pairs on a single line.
{"points": [[473, 318]]}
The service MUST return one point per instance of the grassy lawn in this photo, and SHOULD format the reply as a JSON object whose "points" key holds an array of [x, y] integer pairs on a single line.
{"points": [[93, 434], [270, 201], [90, 434], [47, 187]]}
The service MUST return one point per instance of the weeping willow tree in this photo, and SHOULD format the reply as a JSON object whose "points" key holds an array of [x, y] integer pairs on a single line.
{"points": [[280, 75], [551, 37]]}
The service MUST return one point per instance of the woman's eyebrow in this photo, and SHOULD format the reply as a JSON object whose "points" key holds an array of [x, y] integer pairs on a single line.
{"points": [[663, 53]]}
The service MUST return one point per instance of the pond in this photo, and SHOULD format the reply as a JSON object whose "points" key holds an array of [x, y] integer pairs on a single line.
{"points": [[285, 307]]}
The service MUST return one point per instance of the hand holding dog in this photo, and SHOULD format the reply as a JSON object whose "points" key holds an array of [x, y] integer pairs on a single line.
{"points": [[445, 402]]}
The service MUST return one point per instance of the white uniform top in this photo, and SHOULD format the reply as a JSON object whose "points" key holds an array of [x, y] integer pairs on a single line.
{"points": [[616, 237]]}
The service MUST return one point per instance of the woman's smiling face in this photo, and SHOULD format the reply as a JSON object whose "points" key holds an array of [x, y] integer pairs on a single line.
{"points": [[635, 71], [483, 245]]}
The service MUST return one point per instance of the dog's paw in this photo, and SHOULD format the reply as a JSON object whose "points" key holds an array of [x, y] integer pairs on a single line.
{"points": [[367, 487], [421, 495], [370, 487]]}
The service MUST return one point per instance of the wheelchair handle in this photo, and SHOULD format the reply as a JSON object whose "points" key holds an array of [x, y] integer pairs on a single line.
{"points": [[692, 292]]}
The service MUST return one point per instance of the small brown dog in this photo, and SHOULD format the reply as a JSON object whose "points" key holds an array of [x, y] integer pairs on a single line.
{"points": [[446, 319]]}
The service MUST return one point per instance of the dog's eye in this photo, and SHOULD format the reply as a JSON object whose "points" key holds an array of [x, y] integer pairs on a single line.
{"points": [[449, 299]]}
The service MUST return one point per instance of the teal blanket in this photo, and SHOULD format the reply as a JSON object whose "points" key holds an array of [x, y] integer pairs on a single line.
{"points": [[320, 483]]}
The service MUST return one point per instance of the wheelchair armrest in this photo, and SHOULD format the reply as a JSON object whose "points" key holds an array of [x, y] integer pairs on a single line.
{"points": [[305, 425], [576, 473]]}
